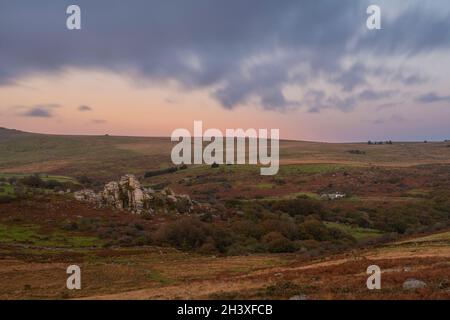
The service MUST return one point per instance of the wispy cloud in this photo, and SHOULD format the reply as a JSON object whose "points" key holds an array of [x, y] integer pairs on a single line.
{"points": [[432, 97], [38, 111], [84, 108], [371, 95], [387, 105], [395, 118]]}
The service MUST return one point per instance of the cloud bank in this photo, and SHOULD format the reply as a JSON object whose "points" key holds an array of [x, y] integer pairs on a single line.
{"points": [[241, 51]]}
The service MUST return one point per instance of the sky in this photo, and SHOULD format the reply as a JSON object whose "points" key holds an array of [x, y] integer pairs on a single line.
{"points": [[311, 69]]}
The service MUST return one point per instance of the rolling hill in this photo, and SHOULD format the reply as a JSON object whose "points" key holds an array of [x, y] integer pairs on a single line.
{"points": [[106, 157]]}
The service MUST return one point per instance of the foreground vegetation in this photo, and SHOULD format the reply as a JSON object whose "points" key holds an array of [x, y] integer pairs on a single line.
{"points": [[304, 225]]}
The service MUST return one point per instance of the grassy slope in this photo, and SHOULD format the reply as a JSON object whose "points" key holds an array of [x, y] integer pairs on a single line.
{"points": [[155, 273], [356, 232], [31, 235], [344, 276], [107, 156]]}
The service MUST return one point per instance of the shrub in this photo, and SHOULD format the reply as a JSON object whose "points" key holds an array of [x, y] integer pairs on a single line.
{"points": [[70, 225], [53, 184], [185, 234], [314, 229], [6, 199], [206, 217], [192, 234], [159, 172], [247, 228], [33, 181], [286, 226], [283, 289], [297, 206], [215, 165], [84, 180], [209, 247], [276, 242], [356, 152]]}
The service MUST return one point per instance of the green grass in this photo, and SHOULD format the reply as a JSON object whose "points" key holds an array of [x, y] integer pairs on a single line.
{"points": [[60, 239], [6, 190], [91, 155], [44, 177], [158, 277], [356, 232], [420, 193], [311, 195], [439, 237], [285, 170], [319, 168], [264, 186], [290, 196], [12, 234], [58, 178], [31, 234], [237, 168]]}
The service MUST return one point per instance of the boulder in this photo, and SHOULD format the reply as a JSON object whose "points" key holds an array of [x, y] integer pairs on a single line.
{"points": [[132, 193], [87, 195], [412, 284], [128, 194], [111, 196]]}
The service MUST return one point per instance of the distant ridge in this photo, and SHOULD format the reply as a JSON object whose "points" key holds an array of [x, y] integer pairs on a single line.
{"points": [[9, 132]]}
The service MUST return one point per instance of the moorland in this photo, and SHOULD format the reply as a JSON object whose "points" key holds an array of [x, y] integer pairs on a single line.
{"points": [[259, 237]]}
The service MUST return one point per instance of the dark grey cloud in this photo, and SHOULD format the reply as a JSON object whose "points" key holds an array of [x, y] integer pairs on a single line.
{"points": [[432, 97], [84, 108], [387, 105], [317, 100], [395, 118], [409, 79], [352, 78], [417, 29], [314, 100], [244, 49], [371, 95], [38, 111], [345, 104]]}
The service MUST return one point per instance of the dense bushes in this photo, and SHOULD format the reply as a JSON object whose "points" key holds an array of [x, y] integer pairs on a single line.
{"points": [[35, 181], [191, 233], [265, 232], [159, 172], [292, 225], [5, 199], [295, 207], [276, 242]]}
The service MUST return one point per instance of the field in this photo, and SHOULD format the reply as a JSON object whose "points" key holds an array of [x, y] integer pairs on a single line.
{"points": [[264, 237]]}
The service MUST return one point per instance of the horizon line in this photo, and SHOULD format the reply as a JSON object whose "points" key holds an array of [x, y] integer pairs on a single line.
{"points": [[168, 137]]}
